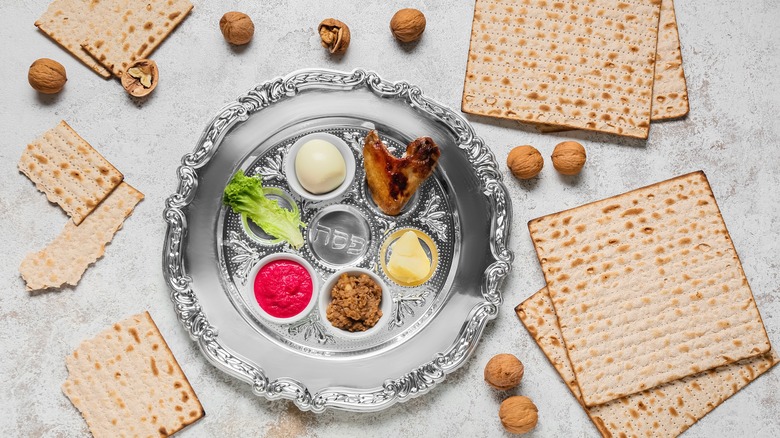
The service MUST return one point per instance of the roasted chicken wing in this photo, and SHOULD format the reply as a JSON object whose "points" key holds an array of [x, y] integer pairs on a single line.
{"points": [[393, 180]]}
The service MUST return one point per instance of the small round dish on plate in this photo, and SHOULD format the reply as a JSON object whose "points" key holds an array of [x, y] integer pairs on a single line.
{"points": [[284, 286], [384, 306], [405, 273], [316, 158]]}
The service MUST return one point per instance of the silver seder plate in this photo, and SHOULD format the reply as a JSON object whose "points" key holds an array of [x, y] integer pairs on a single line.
{"points": [[209, 250]]}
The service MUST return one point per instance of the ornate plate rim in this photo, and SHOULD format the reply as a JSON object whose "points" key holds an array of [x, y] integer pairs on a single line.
{"points": [[421, 379]]}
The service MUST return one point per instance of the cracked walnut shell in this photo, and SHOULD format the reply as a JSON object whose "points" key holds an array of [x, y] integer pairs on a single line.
{"points": [[504, 371], [569, 157], [525, 162], [140, 78], [518, 414], [237, 28], [47, 76], [334, 35], [408, 25]]}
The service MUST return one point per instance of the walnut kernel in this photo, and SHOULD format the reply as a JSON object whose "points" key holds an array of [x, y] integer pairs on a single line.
{"points": [[525, 162], [47, 76], [504, 371], [140, 78], [334, 35], [237, 28], [518, 414], [407, 25], [569, 157]]}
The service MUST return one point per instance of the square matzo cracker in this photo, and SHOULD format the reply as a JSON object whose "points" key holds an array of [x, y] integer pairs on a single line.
{"points": [[135, 30], [69, 171], [670, 92], [107, 35], [126, 382], [69, 23], [582, 64], [648, 288], [665, 411]]}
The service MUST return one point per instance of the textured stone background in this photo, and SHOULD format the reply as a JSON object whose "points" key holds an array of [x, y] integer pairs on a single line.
{"points": [[732, 61]]}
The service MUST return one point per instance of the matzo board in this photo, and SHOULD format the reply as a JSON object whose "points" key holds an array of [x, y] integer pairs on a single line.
{"points": [[578, 64], [648, 288], [126, 382], [665, 411], [136, 29], [69, 23], [69, 171], [670, 92]]}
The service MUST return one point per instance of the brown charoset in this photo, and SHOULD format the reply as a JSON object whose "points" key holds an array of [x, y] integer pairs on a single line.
{"points": [[407, 25], [47, 76], [334, 35], [140, 78], [355, 303]]}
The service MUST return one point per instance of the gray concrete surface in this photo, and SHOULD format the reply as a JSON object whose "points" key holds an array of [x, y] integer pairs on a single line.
{"points": [[732, 59]]}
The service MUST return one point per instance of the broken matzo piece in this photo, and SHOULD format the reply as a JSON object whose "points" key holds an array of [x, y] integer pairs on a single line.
{"points": [[69, 23], [666, 411], [137, 29], [670, 92], [648, 288], [69, 171], [126, 382], [583, 64], [65, 259]]}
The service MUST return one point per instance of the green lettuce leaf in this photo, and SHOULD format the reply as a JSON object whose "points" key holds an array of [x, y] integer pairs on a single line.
{"points": [[245, 195]]}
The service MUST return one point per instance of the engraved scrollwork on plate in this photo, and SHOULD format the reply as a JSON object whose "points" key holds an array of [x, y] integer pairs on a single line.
{"points": [[291, 389], [244, 256], [311, 327], [422, 378], [355, 140], [384, 226], [273, 167], [418, 381], [432, 215], [354, 194], [403, 306]]}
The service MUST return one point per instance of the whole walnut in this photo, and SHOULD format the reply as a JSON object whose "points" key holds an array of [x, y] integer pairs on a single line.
{"points": [[518, 414], [334, 35], [504, 371], [525, 162], [569, 157], [407, 25], [237, 28], [47, 76]]}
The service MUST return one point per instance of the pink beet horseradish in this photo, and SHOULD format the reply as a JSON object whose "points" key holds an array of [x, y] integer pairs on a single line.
{"points": [[283, 288]]}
